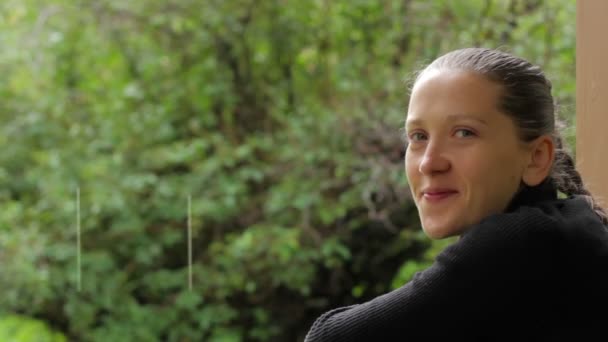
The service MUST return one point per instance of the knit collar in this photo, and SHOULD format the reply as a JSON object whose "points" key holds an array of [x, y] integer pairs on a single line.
{"points": [[530, 195]]}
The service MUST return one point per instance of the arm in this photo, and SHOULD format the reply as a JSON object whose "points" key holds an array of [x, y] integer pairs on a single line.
{"points": [[469, 285]]}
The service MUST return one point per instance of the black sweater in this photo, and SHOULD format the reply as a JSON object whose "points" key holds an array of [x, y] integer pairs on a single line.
{"points": [[539, 271]]}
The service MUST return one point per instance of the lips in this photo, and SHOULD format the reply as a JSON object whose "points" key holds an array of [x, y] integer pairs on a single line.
{"points": [[438, 194]]}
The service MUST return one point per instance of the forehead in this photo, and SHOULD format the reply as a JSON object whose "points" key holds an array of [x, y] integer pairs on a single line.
{"points": [[453, 94]]}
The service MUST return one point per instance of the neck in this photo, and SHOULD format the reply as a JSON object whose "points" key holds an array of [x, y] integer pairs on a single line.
{"points": [[529, 195]]}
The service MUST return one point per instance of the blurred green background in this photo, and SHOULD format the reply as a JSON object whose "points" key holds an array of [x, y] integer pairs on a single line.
{"points": [[280, 118]]}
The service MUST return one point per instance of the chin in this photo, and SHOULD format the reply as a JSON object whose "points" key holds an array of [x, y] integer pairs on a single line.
{"points": [[437, 232]]}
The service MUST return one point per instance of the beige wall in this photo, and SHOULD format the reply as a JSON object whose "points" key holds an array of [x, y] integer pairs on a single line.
{"points": [[592, 95]]}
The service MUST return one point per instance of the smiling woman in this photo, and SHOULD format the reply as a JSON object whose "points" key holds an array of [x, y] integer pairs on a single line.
{"points": [[485, 162]]}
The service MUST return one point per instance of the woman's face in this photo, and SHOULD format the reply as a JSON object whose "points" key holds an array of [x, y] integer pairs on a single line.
{"points": [[464, 160]]}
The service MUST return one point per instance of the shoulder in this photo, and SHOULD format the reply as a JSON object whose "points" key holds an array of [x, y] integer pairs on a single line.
{"points": [[534, 229], [559, 216]]}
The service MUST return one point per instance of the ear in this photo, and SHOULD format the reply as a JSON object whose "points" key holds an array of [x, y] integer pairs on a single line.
{"points": [[541, 155]]}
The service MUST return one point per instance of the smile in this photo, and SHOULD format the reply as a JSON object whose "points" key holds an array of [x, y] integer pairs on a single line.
{"points": [[438, 196]]}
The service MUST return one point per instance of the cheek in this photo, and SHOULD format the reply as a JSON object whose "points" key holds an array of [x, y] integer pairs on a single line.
{"points": [[481, 174], [487, 163], [509, 167], [411, 167], [497, 176]]}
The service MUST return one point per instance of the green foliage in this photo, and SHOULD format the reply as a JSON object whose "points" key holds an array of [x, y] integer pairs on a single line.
{"points": [[407, 271], [23, 329], [280, 119]]}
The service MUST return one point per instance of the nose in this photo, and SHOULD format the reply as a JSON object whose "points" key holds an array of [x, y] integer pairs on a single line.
{"points": [[433, 161]]}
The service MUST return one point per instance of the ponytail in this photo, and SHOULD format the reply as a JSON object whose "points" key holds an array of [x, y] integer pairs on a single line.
{"points": [[568, 180]]}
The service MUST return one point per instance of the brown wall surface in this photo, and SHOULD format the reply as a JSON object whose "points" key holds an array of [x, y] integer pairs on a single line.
{"points": [[592, 95]]}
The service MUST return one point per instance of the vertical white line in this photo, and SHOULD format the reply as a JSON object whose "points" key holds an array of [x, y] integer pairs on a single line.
{"points": [[78, 274], [190, 242]]}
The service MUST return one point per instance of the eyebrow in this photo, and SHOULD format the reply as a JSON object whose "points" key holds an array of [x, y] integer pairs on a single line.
{"points": [[449, 117]]}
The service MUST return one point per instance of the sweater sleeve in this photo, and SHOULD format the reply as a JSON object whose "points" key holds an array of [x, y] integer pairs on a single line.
{"points": [[487, 271]]}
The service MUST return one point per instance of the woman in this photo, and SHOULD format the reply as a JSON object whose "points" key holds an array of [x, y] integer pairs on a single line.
{"points": [[485, 162]]}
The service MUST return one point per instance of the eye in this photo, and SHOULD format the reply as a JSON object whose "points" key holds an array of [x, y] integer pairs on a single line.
{"points": [[464, 133], [417, 136]]}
